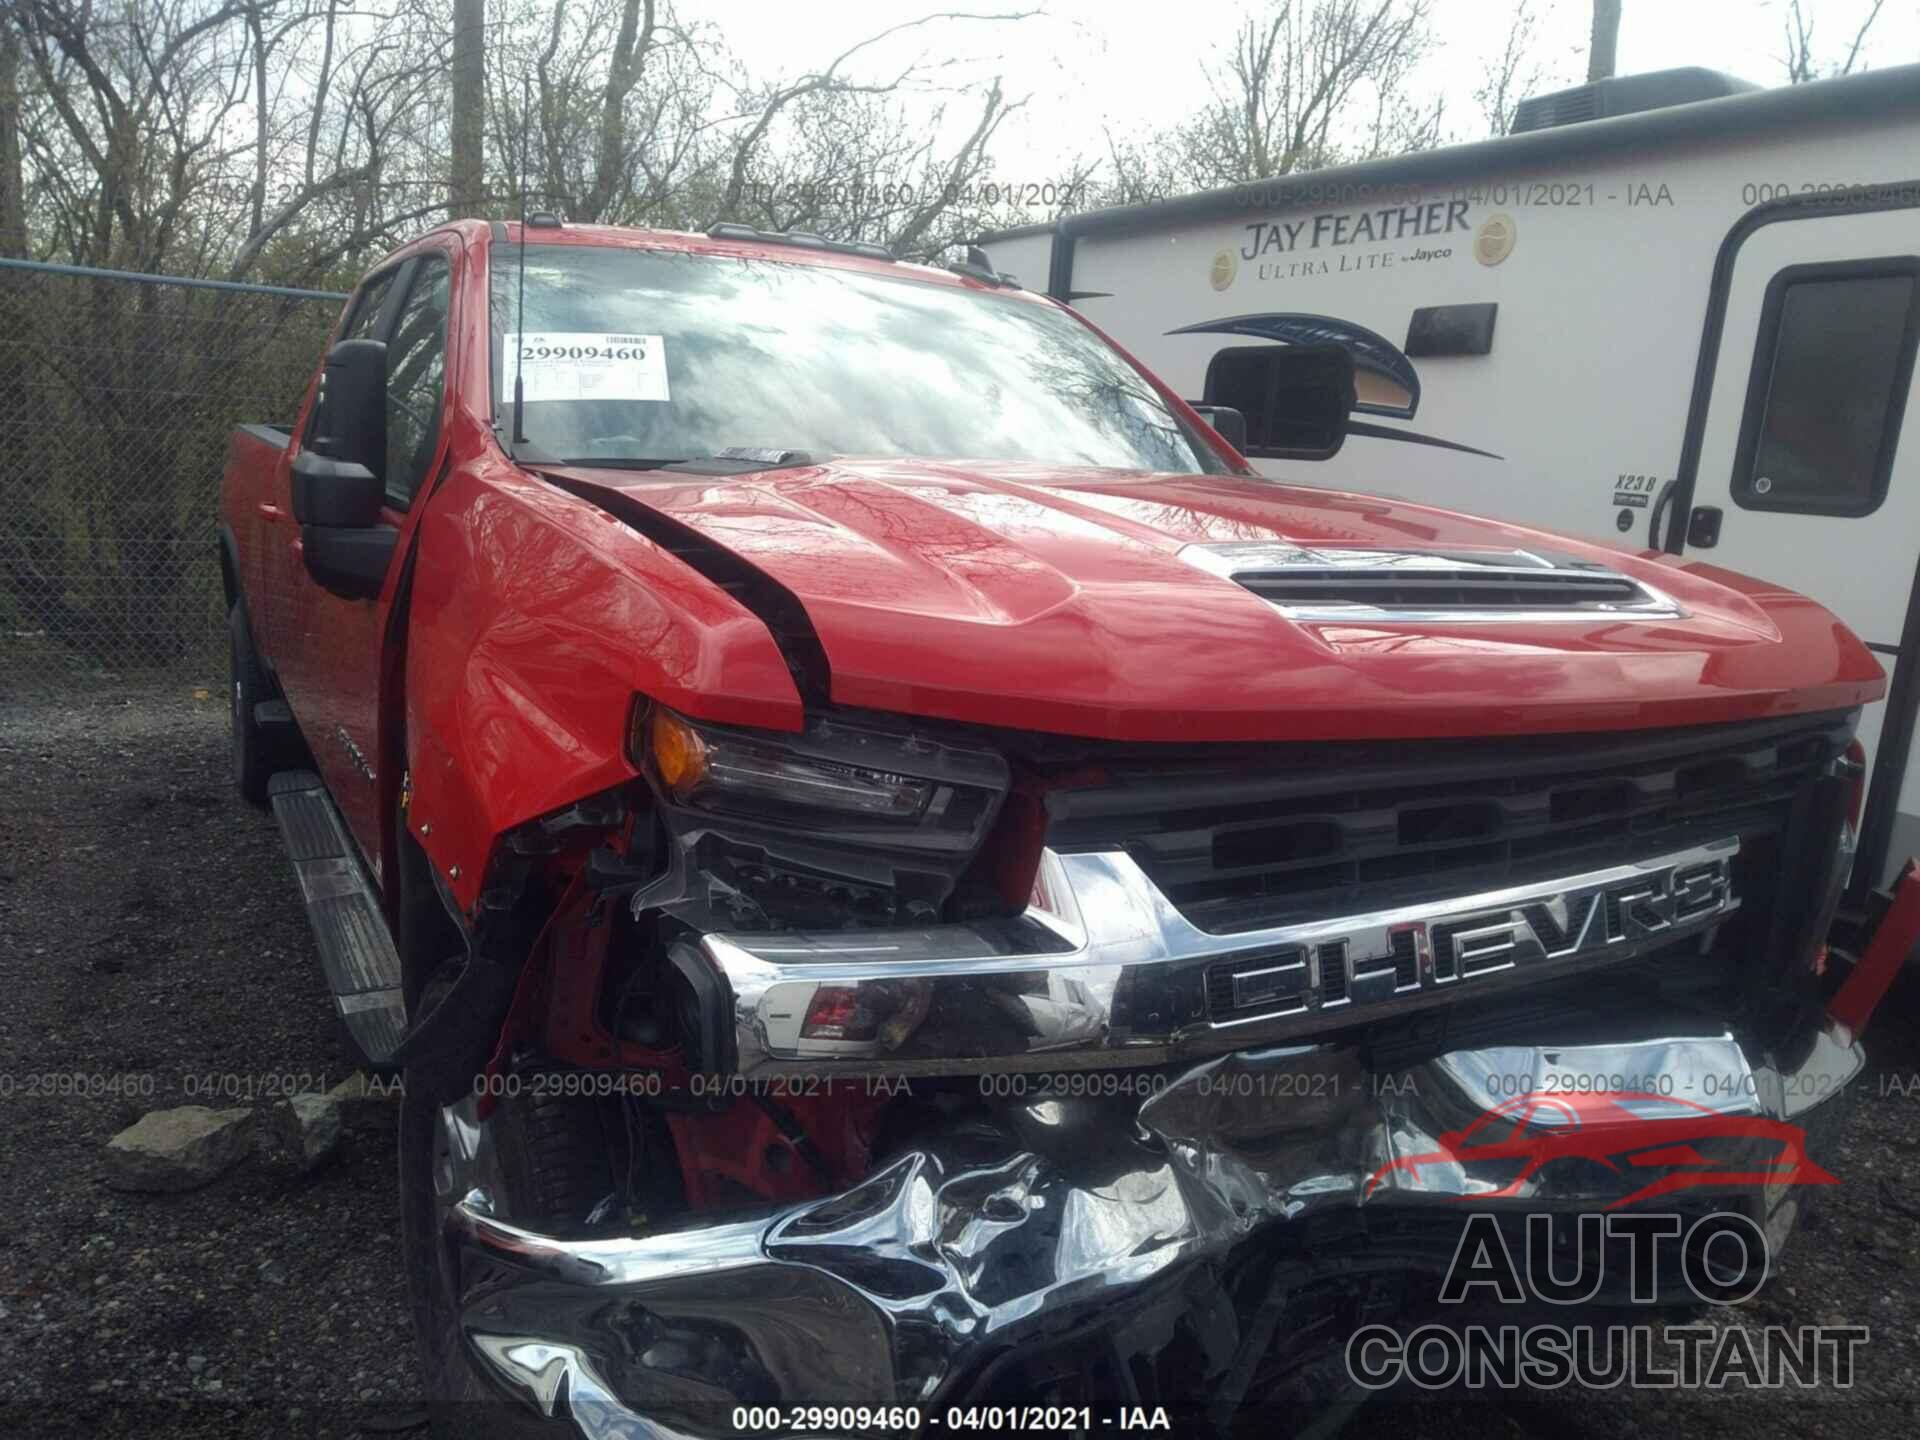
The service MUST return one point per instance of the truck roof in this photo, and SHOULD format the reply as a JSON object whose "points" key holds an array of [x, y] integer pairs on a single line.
{"points": [[741, 243], [1874, 95]]}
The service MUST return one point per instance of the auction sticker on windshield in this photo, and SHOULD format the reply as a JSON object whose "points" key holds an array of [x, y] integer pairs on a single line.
{"points": [[587, 365]]}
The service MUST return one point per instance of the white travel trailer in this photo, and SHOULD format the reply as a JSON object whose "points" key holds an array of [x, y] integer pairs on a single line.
{"points": [[1670, 311]]}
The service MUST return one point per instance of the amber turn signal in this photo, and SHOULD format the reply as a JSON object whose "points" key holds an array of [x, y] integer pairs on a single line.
{"points": [[679, 754]]}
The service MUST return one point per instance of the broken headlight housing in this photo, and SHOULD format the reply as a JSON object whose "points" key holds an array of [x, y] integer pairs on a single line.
{"points": [[842, 825], [852, 783]]}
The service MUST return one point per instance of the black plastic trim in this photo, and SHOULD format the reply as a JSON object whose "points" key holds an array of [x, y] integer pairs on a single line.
{"points": [[777, 607], [715, 1005], [279, 436], [349, 561], [328, 492], [1060, 264], [230, 566], [800, 239], [1414, 437]]}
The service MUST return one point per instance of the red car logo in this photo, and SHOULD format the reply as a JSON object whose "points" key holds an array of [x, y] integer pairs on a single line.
{"points": [[1623, 1131]]}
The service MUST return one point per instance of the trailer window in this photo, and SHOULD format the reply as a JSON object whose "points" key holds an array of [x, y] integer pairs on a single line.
{"points": [[1829, 387]]}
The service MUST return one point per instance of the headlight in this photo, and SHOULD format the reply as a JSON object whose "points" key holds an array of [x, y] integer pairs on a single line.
{"points": [[860, 785]]}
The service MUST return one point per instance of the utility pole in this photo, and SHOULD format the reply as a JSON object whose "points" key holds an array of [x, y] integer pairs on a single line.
{"points": [[13, 212], [1606, 39], [467, 190]]}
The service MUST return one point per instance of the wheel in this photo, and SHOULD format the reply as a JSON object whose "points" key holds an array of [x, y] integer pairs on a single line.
{"points": [[544, 1163], [253, 758]]}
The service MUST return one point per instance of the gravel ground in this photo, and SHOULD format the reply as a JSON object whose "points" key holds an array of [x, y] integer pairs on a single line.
{"points": [[150, 930]]}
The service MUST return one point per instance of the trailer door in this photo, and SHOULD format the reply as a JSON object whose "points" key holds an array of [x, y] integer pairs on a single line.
{"points": [[1800, 472]]}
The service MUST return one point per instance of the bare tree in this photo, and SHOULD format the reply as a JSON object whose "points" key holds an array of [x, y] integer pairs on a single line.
{"points": [[877, 178], [173, 134], [1801, 66], [1516, 72], [1312, 83], [621, 105], [1602, 53]]}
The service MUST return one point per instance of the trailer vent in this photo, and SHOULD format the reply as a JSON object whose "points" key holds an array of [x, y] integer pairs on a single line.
{"points": [[1625, 95], [1330, 585]]}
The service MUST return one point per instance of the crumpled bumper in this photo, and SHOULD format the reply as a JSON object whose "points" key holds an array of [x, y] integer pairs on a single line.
{"points": [[1078, 1209]]}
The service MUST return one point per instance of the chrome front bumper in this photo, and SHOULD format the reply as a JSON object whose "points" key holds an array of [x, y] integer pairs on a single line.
{"points": [[1102, 970], [1079, 1210]]}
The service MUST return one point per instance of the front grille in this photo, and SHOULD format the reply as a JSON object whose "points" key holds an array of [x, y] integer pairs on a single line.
{"points": [[1275, 834]]}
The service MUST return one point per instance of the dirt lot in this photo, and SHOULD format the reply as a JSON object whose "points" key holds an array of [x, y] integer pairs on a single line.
{"points": [[149, 930]]}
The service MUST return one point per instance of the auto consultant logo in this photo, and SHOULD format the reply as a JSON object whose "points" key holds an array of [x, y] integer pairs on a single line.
{"points": [[1567, 1260], [1666, 1143]]}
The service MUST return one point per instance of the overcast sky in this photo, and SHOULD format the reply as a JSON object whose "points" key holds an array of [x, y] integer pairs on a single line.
{"points": [[1131, 64]]}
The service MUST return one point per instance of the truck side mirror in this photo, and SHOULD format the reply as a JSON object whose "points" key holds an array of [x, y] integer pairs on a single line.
{"points": [[337, 474], [1296, 399], [351, 412], [338, 484], [1228, 422]]}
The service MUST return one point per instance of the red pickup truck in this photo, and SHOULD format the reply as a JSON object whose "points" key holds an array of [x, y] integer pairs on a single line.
{"points": [[899, 874]]}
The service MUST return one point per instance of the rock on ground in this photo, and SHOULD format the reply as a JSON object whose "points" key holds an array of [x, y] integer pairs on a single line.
{"points": [[307, 1128], [179, 1149]]}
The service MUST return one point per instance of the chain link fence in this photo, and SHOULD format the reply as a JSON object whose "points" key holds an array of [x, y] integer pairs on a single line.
{"points": [[117, 395]]}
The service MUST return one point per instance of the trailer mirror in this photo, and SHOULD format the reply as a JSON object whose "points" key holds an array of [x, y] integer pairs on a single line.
{"points": [[1295, 399], [350, 413], [1228, 422]]}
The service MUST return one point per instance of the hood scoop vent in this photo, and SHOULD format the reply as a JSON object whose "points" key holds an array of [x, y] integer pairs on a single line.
{"points": [[1338, 584]]}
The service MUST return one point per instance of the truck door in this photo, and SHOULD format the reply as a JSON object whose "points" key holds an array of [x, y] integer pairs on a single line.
{"points": [[1801, 474], [335, 668], [270, 557]]}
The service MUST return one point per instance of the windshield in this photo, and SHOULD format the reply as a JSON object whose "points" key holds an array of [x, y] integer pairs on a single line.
{"points": [[644, 355]]}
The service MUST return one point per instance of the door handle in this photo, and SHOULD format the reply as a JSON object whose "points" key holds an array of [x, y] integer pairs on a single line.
{"points": [[1660, 503], [268, 512]]}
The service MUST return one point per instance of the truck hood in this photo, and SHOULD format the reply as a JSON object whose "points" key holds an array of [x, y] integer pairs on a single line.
{"points": [[1056, 599]]}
